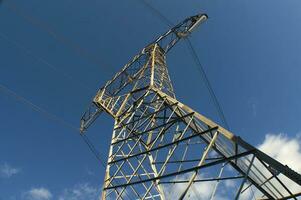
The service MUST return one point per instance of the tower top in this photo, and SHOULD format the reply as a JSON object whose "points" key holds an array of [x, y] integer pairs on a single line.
{"points": [[146, 69]]}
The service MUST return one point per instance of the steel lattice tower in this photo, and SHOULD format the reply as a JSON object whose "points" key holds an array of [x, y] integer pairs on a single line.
{"points": [[163, 149]]}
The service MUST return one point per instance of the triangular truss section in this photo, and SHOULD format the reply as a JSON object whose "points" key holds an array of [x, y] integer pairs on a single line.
{"points": [[163, 149]]}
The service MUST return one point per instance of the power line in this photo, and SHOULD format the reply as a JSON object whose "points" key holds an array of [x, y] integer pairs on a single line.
{"points": [[81, 51], [30, 53], [197, 61], [13, 7], [52, 117], [92, 148], [43, 111], [60, 38], [85, 138], [207, 83], [157, 12], [36, 108], [57, 119]]}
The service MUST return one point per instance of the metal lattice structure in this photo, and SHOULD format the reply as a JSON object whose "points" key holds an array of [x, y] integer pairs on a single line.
{"points": [[163, 149]]}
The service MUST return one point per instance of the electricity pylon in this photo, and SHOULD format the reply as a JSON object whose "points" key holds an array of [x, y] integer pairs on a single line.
{"points": [[163, 149]]}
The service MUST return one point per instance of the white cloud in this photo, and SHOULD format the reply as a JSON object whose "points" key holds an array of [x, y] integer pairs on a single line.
{"points": [[80, 192], [284, 149], [230, 184], [279, 146], [7, 171], [38, 194], [287, 151], [90, 172], [198, 191]]}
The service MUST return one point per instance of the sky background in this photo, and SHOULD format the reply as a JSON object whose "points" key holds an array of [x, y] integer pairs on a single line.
{"points": [[58, 53]]}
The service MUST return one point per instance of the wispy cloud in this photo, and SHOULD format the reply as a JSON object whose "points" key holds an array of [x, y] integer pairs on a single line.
{"points": [[253, 104], [198, 191], [38, 194], [7, 171], [90, 172], [80, 192], [298, 136]]}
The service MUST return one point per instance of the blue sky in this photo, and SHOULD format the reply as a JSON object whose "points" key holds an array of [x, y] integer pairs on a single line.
{"points": [[58, 53]]}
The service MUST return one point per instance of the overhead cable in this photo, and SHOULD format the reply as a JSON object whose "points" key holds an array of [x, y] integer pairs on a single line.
{"points": [[45, 62], [51, 117], [57, 119], [59, 37], [197, 61]]}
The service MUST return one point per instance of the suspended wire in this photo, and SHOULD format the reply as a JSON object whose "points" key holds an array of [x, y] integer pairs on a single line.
{"points": [[51, 66], [92, 148], [170, 24], [207, 83], [30, 53], [43, 111], [59, 120], [82, 52], [36, 108], [52, 117], [197, 61], [157, 12], [200, 67], [60, 38], [97, 155]]}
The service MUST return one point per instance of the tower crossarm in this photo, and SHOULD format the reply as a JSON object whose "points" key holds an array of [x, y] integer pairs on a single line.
{"points": [[136, 73], [181, 30]]}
